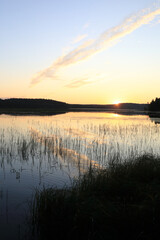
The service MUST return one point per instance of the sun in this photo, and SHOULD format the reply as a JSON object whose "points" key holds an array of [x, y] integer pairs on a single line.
{"points": [[116, 102]]}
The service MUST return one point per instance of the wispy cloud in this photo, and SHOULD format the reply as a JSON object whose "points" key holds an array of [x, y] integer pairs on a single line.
{"points": [[79, 38], [79, 83], [86, 80], [105, 40]]}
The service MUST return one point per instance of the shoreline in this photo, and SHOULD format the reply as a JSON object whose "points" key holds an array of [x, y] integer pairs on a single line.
{"points": [[40, 111]]}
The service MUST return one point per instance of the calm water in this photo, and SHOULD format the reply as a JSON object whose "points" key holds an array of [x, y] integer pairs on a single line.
{"points": [[37, 151]]}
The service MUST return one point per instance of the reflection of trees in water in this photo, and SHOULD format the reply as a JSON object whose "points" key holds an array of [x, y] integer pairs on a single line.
{"points": [[154, 118], [30, 112]]}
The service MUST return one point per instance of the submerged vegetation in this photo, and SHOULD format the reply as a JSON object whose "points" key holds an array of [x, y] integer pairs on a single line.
{"points": [[121, 201]]}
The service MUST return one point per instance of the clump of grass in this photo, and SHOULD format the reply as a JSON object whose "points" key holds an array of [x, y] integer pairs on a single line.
{"points": [[121, 201]]}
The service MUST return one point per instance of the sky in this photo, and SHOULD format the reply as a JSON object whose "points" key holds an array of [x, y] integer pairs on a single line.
{"points": [[88, 51]]}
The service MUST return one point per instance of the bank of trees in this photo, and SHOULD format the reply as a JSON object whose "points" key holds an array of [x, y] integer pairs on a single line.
{"points": [[31, 103], [155, 105]]}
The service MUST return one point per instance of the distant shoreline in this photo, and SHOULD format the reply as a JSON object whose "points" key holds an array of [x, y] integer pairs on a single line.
{"points": [[22, 106]]}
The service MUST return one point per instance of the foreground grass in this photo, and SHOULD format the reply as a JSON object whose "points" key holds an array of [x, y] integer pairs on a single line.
{"points": [[122, 201]]}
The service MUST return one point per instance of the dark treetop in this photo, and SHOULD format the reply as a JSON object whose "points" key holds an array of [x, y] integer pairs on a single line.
{"points": [[24, 103], [155, 105]]}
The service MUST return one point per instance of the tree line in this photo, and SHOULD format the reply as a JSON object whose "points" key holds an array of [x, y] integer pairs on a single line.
{"points": [[31, 103], [154, 105]]}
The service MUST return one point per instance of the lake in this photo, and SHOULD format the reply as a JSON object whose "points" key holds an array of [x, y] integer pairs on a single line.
{"points": [[45, 151]]}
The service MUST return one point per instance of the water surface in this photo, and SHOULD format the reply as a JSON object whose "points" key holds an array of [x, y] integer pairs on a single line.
{"points": [[37, 151]]}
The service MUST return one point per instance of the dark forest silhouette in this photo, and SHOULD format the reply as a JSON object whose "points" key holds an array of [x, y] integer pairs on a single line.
{"points": [[155, 105], [25, 103], [48, 106]]}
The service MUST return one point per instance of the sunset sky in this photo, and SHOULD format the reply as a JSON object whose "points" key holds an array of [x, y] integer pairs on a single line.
{"points": [[88, 51]]}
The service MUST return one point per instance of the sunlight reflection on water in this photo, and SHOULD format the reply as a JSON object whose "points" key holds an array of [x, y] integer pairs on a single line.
{"points": [[37, 151]]}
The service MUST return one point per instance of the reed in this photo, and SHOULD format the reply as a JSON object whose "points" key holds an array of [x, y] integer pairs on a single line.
{"points": [[121, 201]]}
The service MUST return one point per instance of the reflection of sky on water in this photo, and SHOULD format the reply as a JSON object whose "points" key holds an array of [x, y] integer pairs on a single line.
{"points": [[51, 150]]}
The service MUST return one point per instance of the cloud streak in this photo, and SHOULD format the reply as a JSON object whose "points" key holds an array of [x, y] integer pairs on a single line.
{"points": [[79, 38], [105, 40], [79, 83], [86, 80]]}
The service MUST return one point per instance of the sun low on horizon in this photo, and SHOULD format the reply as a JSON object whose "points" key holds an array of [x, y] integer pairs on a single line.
{"points": [[117, 102], [86, 52], [79, 98]]}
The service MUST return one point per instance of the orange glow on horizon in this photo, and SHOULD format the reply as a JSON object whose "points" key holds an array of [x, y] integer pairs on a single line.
{"points": [[116, 102]]}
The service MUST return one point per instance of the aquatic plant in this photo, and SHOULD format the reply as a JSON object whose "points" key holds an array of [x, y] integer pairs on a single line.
{"points": [[121, 201]]}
